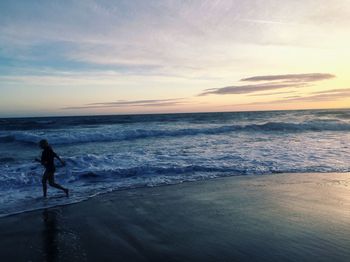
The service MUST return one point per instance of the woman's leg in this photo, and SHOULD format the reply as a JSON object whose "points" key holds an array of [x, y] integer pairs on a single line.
{"points": [[52, 183], [43, 181]]}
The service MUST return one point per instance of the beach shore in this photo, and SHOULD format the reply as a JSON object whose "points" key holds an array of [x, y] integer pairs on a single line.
{"points": [[282, 217]]}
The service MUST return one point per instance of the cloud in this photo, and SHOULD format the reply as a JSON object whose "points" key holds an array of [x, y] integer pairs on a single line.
{"points": [[291, 77], [257, 21], [334, 91], [323, 96], [246, 89], [288, 97], [272, 82], [125, 103], [329, 95], [143, 33], [272, 93]]}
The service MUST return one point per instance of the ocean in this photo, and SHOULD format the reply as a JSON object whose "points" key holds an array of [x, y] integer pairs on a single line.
{"points": [[107, 153]]}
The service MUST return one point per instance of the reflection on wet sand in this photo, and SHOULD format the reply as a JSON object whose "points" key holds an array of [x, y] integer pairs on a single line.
{"points": [[60, 242], [50, 235]]}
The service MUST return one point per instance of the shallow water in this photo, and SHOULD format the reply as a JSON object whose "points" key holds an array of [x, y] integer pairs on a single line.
{"points": [[105, 153]]}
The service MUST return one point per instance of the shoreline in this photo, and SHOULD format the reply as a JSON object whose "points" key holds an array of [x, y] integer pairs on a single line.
{"points": [[57, 194], [290, 217]]}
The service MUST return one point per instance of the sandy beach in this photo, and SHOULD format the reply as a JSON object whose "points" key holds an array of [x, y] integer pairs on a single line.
{"points": [[283, 217]]}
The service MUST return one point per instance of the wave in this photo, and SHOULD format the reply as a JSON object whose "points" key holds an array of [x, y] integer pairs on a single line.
{"points": [[44, 123], [49, 123], [78, 171], [116, 134], [342, 114], [20, 184], [28, 175], [22, 137], [7, 160], [7, 138]]}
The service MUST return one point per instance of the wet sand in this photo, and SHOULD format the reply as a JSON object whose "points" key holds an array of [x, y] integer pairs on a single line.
{"points": [[284, 217]]}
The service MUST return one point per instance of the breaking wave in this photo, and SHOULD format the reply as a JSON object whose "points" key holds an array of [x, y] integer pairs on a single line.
{"points": [[115, 134]]}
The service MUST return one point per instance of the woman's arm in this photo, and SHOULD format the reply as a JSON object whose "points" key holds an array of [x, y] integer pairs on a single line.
{"points": [[60, 159]]}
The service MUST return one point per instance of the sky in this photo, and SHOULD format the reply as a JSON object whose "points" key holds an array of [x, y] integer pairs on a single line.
{"points": [[124, 57]]}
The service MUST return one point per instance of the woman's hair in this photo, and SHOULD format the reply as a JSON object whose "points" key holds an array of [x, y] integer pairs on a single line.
{"points": [[43, 143]]}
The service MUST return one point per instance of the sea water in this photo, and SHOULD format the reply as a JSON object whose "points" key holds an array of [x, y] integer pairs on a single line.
{"points": [[106, 153]]}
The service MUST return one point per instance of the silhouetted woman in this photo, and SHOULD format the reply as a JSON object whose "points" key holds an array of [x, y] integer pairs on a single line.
{"points": [[47, 160]]}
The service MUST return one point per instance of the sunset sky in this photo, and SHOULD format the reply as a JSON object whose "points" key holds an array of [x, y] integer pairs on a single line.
{"points": [[120, 57]]}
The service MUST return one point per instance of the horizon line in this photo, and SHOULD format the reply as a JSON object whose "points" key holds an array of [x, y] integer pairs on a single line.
{"points": [[174, 113]]}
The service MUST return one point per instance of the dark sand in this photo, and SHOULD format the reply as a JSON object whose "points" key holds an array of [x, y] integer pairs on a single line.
{"points": [[285, 217]]}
